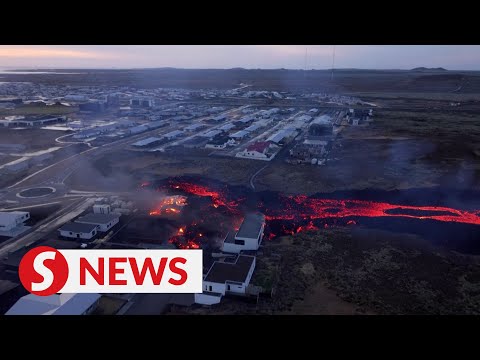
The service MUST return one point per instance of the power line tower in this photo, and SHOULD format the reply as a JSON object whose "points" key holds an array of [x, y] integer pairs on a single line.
{"points": [[333, 62], [305, 65]]}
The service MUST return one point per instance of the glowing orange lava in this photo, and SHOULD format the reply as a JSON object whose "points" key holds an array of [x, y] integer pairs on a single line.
{"points": [[169, 205]]}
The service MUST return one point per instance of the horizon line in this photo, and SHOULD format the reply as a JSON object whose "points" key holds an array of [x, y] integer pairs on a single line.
{"points": [[33, 68]]}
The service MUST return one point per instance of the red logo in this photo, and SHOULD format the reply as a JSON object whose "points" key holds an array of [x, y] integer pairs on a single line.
{"points": [[43, 271]]}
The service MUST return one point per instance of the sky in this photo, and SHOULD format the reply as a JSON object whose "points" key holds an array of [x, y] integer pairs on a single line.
{"points": [[452, 57]]}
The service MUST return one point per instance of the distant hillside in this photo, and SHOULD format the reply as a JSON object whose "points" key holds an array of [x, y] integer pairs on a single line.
{"points": [[429, 69]]}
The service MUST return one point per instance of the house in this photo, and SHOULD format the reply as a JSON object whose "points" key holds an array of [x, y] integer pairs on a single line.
{"points": [[104, 222], [101, 209], [256, 150], [76, 230], [249, 235], [219, 143], [12, 223], [227, 277], [57, 304], [239, 135]]}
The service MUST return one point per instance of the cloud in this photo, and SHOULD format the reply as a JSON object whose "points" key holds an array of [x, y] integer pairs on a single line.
{"points": [[36, 52]]}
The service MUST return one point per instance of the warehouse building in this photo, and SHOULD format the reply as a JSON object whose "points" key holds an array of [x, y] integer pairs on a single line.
{"points": [[173, 134], [148, 142]]}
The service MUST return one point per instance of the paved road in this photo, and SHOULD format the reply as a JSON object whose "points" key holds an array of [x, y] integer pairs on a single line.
{"points": [[252, 178], [46, 226]]}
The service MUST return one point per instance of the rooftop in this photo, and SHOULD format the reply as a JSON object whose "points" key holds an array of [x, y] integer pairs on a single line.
{"points": [[9, 217], [146, 141], [78, 227], [98, 219], [239, 134], [220, 272], [251, 226], [58, 304], [260, 146]]}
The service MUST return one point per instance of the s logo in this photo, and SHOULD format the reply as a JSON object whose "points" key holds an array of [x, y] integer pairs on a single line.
{"points": [[43, 271]]}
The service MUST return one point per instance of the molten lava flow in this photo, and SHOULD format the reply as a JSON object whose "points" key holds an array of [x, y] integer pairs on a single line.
{"points": [[218, 198], [220, 212], [169, 205], [302, 207]]}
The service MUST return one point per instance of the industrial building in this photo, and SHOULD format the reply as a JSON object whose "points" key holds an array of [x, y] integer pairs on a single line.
{"points": [[57, 304], [194, 127], [142, 102], [282, 136], [104, 222], [239, 135], [196, 142], [13, 223], [227, 277], [211, 134], [219, 118], [20, 121], [74, 230], [226, 127], [173, 134], [148, 142]]}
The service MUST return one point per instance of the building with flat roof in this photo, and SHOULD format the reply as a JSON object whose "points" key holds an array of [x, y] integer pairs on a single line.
{"points": [[151, 141], [249, 235], [12, 223], [104, 222], [227, 277], [58, 304], [76, 230], [173, 134]]}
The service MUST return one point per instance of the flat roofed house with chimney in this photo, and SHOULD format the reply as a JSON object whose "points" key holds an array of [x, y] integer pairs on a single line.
{"points": [[227, 277]]}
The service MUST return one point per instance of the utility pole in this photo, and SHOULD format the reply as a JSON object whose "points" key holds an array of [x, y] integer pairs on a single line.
{"points": [[333, 62]]}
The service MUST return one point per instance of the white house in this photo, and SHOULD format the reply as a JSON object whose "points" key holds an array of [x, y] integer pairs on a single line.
{"points": [[220, 143], [256, 150], [248, 237], [78, 231], [104, 222], [101, 209], [12, 223], [227, 277], [58, 304]]}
